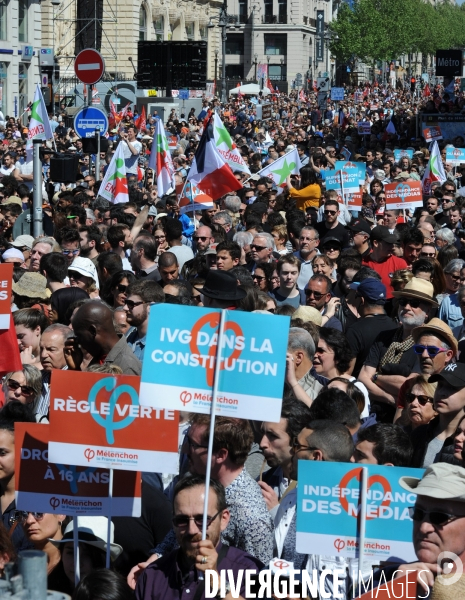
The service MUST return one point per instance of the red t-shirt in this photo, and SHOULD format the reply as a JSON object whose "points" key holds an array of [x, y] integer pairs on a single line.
{"points": [[386, 269]]}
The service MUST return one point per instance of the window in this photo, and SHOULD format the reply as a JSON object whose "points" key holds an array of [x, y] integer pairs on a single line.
{"points": [[235, 44], [3, 84], [277, 72], [22, 20], [203, 30], [275, 44], [268, 16], [159, 27], [282, 11], [142, 24], [190, 31], [235, 71], [242, 11], [3, 18]]}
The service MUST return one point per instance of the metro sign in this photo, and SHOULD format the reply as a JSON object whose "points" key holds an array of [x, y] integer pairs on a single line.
{"points": [[448, 63]]}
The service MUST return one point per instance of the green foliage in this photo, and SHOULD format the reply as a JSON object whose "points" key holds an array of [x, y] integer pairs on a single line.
{"points": [[386, 29]]}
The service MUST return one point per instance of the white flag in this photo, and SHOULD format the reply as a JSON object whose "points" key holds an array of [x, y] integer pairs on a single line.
{"points": [[114, 186], [39, 125], [280, 169], [227, 148]]}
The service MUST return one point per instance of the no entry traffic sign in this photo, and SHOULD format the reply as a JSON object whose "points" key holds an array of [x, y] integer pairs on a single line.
{"points": [[89, 66]]}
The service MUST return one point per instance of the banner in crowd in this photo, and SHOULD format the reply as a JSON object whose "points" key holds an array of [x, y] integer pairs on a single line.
{"points": [[455, 155], [191, 198], [432, 133], [42, 486], [179, 362], [160, 161], [364, 128], [328, 505], [6, 278], [398, 154], [362, 169], [405, 194], [39, 124], [114, 186], [343, 180], [97, 421]]}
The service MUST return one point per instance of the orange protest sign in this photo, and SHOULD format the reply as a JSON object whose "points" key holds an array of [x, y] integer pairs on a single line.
{"points": [[62, 489], [96, 421], [405, 194], [352, 201], [432, 133], [6, 279]]}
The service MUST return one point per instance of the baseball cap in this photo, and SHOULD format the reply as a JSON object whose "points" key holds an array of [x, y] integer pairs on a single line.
{"points": [[360, 225], [211, 249], [23, 241], [381, 233], [331, 241], [440, 480], [372, 289], [453, 374]]}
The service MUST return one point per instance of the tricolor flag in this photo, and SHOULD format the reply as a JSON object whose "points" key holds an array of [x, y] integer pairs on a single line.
{"points": [[209, 172], [280, 169], [226, 147], [160, 161], [114, 186], [141, 121], [434, 170], [39, 125]]}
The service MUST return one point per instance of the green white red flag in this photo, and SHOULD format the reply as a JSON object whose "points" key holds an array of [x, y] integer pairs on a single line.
{"points": [[114, 187], [160, 161], [434, 170], [280, 169], [227, 148], [39, 125]]}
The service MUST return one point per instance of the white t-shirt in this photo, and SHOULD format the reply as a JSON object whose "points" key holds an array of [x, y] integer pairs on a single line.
{"points": [[130, 159]]}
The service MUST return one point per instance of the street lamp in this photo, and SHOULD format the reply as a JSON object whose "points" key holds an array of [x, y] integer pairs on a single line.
{"points": [[255, 64], [329, 37], [222, 23], [216, 67], [282, 69]]}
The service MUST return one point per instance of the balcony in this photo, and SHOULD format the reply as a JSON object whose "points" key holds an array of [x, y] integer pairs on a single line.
{"points": [[274, 19]]}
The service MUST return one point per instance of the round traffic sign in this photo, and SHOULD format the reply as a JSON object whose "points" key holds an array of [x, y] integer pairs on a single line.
{"points": [[88, 119], [89, 66]]}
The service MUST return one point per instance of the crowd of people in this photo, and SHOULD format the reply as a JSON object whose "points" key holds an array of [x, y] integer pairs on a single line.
{"points": [[375, 371]]}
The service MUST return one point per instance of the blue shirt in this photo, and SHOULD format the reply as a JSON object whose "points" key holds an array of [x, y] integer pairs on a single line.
{"points": [[136, 343]]}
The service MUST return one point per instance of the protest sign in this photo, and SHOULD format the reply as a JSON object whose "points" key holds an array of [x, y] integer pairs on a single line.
{"points": [[362, 168], [354, 201], [337, 94], [96, 421], [179, 362], [455, 155], [328, 505], [6, 277], [398, 154], [432, 133], [405, 194], [63, 489], [364, 128], [343, 180]]}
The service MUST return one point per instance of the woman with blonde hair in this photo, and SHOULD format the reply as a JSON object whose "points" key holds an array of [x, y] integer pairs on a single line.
{"points": [[418, 403]]}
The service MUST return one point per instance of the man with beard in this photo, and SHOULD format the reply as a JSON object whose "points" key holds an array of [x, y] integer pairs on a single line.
{"points": [[137, 306], [392, 357], [91, 238], [120, 239], [177, 573]]}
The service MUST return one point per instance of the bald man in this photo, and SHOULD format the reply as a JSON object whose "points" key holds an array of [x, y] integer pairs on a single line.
{"points": [[95, 332]]}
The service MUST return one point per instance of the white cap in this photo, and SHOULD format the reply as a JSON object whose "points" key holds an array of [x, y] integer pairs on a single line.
{"points": [[85, 267], [13, 253]]}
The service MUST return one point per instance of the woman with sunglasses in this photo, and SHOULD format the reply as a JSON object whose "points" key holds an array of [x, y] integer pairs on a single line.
{"points": [[23, 386], [262, 275], [40, 529], [419, 402], [117, 288]]}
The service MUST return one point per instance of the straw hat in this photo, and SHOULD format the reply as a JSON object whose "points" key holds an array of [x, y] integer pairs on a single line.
{"points": [[438, 328], [418, 288], [308, 314], [32, 285]]}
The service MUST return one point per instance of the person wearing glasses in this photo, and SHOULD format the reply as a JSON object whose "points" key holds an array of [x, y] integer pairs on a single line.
{"points": [[180, 572], [23, 386], [70, 244], [331, 227], [140, 295], [419, 402], [392, 358]]}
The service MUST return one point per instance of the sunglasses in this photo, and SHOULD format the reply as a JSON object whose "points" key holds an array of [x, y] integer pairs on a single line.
{"points": [[435, 517], [296, 447], [258, 248], [454, 277], [422, 399], [68, 252], [13, 385], [122, 288], [432, 350], [258, 277], [132, 305], [181, 521], [316, 295], [22, 515], [331, 212], [410, 301], [199, 237], [159, 237]]}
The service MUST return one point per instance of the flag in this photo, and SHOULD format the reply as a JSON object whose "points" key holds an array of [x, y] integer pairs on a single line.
{"points": [[39, 125], [141, 121], [450, 89], [160, 161], [191, 198], [434, 170], [391, 128], [209, 172], [269, 85], [114, 187], [426, 91], [280, 169], [226, 147]]}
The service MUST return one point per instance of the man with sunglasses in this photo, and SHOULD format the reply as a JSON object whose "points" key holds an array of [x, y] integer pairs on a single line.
{"points": [[438, 531], [392, 357], [179, 573], [140, 295], [331, 227]]}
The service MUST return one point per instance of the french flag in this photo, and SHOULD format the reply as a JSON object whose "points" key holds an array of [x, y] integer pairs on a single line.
{"points": [[209, 172]]}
